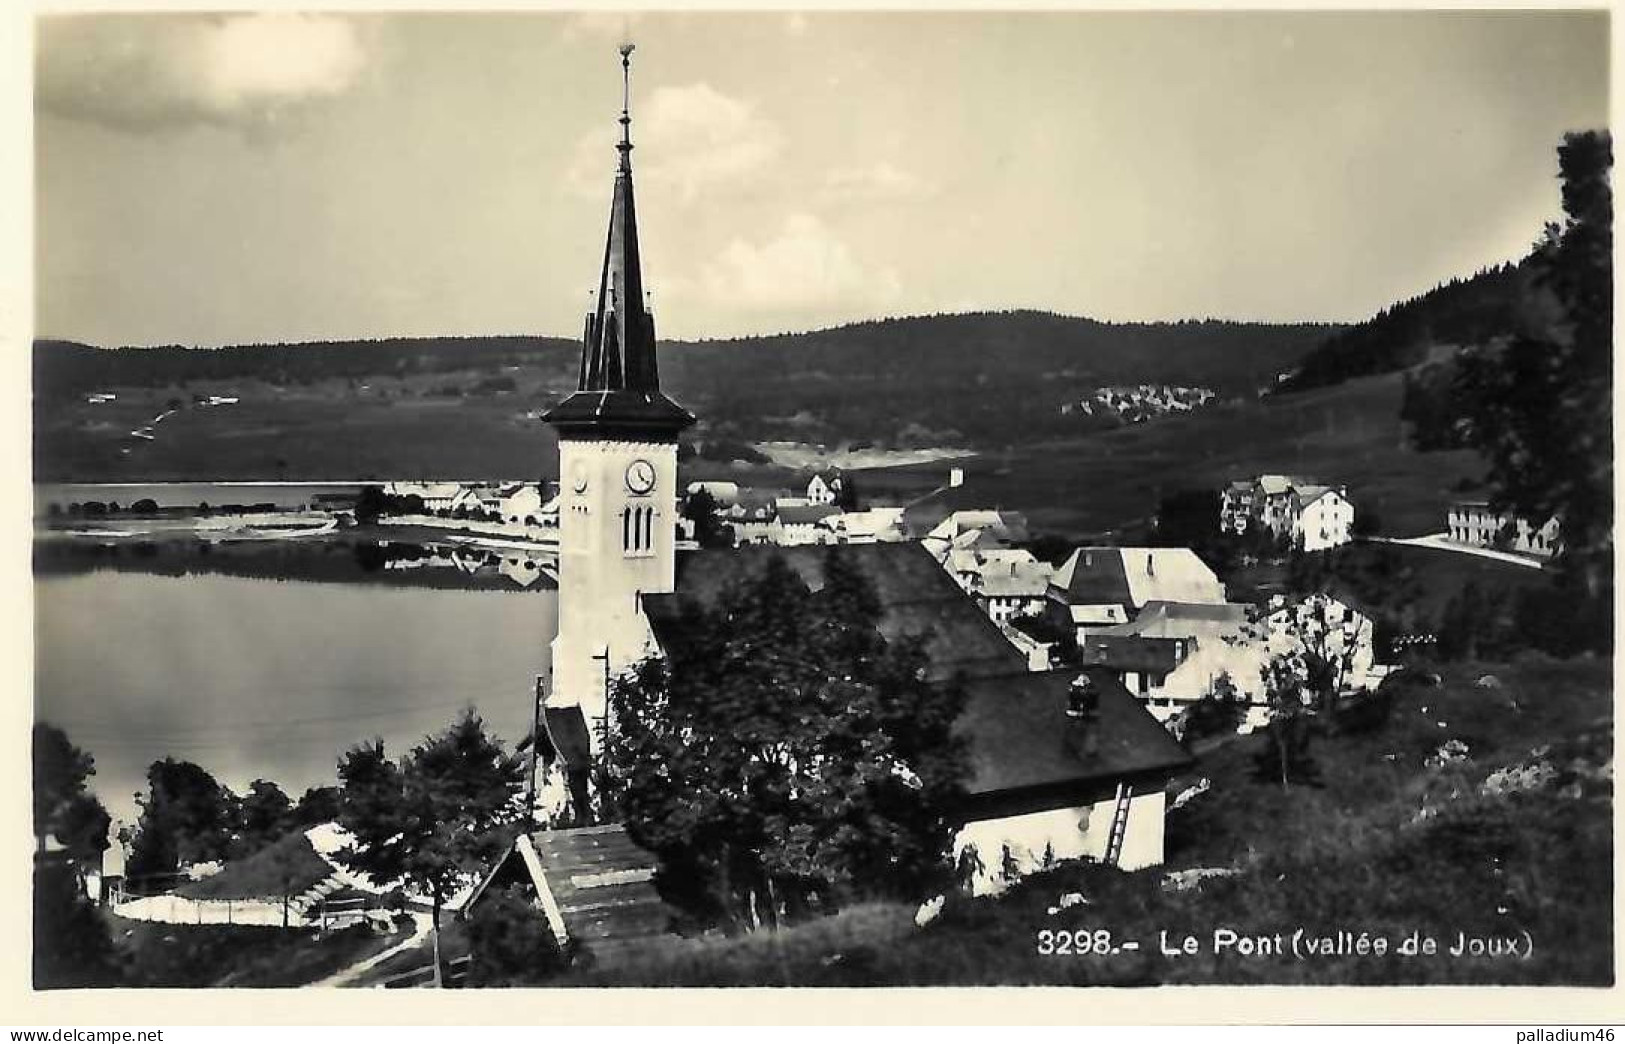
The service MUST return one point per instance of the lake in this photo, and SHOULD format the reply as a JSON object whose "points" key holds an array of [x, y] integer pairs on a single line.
{"points": [[269, 661]]}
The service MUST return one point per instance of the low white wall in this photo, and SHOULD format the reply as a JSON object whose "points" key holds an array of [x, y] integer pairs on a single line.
{"points": [[175, 909], [1065, 833]]}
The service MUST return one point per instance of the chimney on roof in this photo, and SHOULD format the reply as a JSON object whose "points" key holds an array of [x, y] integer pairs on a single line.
{"points": [[956, 477], [1083, 699], [1150, 564]]}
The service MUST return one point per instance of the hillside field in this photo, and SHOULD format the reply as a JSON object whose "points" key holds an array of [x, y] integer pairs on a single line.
{"points": [[1348, 434]]}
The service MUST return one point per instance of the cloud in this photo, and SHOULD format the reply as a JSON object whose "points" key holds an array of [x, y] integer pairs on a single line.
{"points": [[881, 182], [803, 273], [616, 26], [141, 72], [695, 139]]}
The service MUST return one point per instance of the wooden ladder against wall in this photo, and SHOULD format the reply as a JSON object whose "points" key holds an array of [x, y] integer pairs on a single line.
{"points": [[1114, 843]]}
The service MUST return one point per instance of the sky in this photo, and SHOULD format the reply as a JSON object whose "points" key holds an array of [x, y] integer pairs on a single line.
{"points": [[226, 179]]}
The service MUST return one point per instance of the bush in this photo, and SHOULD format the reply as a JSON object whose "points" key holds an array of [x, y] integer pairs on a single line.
{"points": [[510, 943], [71, 944]]}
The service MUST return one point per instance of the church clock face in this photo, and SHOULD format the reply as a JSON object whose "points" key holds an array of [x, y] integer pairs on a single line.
{"points": [[640, 477], [578, 476]]}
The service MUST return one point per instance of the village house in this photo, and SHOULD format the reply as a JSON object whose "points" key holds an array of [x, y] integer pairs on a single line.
{"points": [[1105, 586], [1310, 515], [753, 525], [1173, 654], [825, 487], [799, 524], [436, 496], [966, 529], [1472, 523], [1322, 518], [871, 526], [521, 502], [1004, 582], [1236, 506], [1332, 628]]}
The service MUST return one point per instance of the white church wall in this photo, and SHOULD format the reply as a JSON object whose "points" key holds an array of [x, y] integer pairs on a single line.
{"points": [[605, 562]]}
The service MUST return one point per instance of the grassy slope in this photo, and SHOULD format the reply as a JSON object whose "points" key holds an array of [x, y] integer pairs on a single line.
{"points": [[1358, 854], [226, 955], [1348, 434], [395, 428]]}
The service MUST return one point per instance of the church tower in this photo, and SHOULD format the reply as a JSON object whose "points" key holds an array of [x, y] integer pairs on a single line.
{"points": [[617, 471]]}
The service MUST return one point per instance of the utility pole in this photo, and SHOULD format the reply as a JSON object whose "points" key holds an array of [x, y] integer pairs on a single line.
{"points": [[535, 740]]}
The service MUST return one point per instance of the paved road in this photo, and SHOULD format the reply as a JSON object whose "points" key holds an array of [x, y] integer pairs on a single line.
{"points": [[422, 924], [1440, 542]]}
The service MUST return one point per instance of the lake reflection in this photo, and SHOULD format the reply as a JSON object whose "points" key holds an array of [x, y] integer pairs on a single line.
{"points": [[177, 652]]}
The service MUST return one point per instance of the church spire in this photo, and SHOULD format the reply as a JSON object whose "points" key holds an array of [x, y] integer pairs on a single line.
{"points": [[619, 381]]}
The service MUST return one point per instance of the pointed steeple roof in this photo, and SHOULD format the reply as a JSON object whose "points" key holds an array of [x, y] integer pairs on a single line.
{"points": [[618, 390]]}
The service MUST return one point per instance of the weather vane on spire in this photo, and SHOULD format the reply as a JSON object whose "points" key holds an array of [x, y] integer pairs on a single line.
{"points": [[625, 147]]}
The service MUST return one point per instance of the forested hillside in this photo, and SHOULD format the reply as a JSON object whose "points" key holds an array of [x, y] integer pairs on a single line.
{"points": [[1469, 311], [470, 406]]}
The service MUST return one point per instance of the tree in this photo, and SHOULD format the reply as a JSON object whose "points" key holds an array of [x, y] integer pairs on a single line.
{"points": [[1218, 713], [700, 508], [846, 498], [370, 504], [64, 808], [1291, 703], [186, 817], [72, 948], [1190, 518], [784, 757], [1540, 410], [436, 819], [317, 805], [267, 814], [510, 943]]}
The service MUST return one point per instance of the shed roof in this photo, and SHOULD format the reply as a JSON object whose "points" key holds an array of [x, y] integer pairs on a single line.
{"points": [[595, 879]]}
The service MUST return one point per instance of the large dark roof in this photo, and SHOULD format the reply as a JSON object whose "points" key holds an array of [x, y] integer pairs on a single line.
{"points": [[917, 597], [1015, 721], [1098, 578], [1131, 652], [1021, 738]]}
